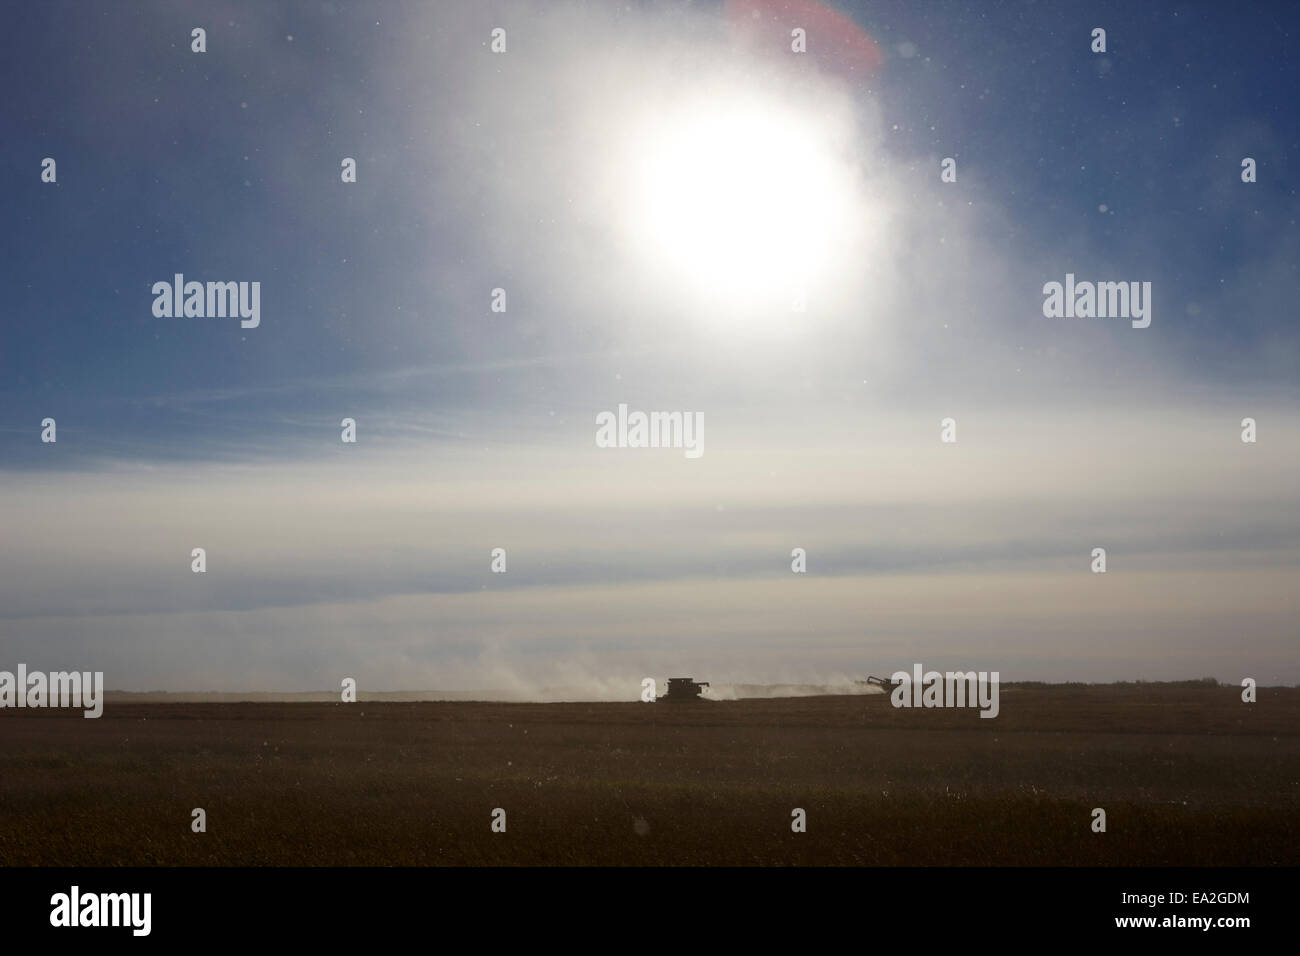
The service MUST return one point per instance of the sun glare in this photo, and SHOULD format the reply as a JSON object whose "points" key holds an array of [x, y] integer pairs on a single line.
{"points": [[742, 201]]}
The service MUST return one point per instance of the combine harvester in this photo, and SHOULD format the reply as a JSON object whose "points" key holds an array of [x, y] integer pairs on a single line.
{"points": [[882, 683], [683, 688]]}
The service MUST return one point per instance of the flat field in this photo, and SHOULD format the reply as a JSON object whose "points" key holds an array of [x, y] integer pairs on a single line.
{"points": [[1187, 775]]}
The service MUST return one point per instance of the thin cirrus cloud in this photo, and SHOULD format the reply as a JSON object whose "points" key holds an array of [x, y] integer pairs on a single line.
{"points": [[986, 538]]}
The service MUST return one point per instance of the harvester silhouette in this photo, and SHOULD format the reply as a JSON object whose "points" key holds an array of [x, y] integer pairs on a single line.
{"points": [[880, 682], [683, 688]]}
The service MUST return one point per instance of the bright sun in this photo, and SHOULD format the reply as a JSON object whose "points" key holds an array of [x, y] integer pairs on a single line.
{"points": [[743, 202]]}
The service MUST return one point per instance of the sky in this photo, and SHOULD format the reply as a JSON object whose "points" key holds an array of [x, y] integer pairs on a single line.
{"points": [[652, 186]]}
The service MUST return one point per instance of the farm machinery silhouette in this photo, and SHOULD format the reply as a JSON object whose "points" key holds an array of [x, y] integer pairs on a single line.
{"points": [[686, 688], [683, 688], [885, 685]]}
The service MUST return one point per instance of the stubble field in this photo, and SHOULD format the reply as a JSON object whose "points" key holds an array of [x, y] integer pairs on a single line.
{"points": [[1187, 775]]}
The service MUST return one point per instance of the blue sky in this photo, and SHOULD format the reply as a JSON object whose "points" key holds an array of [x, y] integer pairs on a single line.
{"points": [[519, 170]]}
